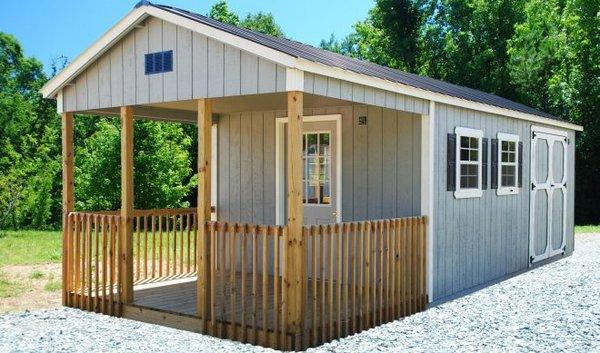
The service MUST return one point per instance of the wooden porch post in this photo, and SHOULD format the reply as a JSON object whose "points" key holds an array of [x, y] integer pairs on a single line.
{"points": [[295, 268], [204, 187], [126, 241], [68, 196]]}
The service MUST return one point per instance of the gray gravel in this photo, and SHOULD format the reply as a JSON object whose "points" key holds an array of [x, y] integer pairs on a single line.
{"points": [[553, 308]]}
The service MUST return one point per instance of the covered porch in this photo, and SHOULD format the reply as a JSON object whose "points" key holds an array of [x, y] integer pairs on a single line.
{"points": [[263, 275]]}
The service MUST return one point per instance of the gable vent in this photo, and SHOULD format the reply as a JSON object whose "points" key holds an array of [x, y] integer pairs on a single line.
{"points": [[159, 62]]}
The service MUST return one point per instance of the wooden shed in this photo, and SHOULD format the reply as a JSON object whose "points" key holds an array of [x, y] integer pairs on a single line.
{"points": [[334, 194]]}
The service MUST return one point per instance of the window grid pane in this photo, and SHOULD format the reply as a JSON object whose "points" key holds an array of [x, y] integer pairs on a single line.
{"points": [[317, 168], [508, 163], [469, 162]]}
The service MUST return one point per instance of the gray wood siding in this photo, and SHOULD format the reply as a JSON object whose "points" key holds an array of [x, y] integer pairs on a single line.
{"points": [[477, 240], [335, 88], [380, 164], [202, 67]]}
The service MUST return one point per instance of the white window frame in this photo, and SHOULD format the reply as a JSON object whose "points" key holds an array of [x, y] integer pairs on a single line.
{"points": [[464, 193], [508, 190]]}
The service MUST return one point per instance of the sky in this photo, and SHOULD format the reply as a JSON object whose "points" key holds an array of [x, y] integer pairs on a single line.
{"points": [[48, 29]]}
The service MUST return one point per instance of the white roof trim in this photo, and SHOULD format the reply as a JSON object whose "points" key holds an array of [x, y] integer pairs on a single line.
{"points": [[137, 15], [92, 53]]}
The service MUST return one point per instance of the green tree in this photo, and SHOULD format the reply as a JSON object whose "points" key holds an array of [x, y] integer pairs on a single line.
{"points": [[162, 168], [389, 35], [220, 12], [29, 142], [465, 42], [261, 21]]}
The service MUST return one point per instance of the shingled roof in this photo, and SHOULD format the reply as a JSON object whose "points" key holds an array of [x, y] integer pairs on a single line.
{"points": [[321, 56]]}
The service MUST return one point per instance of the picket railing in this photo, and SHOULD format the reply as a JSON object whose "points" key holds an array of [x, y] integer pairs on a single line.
{"points": [[164, 244], [357, 274], [246, 293], [363, 274], [90, 267]]}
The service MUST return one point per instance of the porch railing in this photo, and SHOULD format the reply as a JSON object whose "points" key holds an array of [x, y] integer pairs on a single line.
{"points": [[91, 266], [357, 274], [164, 244]]}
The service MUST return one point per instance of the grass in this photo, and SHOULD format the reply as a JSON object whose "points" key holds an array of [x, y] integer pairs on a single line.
{"points": [[10, 288], [52, 285], [36, 274], [590, 228], [29, 247]]}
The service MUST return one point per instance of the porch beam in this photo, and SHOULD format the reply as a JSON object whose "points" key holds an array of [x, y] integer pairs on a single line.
{"points": [[68, 198], [204, 205], [295, 267], [126, 241]]}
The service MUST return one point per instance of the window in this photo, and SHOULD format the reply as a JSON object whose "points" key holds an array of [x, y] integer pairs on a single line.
{"points": [[316, 161], [159, 62], [508, 162], [468, 166]]}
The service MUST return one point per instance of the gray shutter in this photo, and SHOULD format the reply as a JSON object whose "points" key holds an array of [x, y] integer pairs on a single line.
{"points": [[484, 163], [520, 182], [451, 163], [494, 171]]}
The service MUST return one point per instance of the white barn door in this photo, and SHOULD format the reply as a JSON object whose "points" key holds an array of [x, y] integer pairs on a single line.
{"points": [[548, 201]]}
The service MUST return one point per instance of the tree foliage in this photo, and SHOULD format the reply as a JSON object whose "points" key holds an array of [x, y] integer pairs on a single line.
{"points": [[261, 21], [29, 142], [162, 166]]}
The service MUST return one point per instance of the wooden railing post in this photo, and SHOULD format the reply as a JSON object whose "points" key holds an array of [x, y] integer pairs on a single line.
{"points": [[68, 200], [295, 267], [204, 209], [126, 236]]}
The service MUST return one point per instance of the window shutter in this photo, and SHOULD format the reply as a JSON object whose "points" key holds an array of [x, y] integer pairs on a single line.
{"points": [[451, 163], [484, 163], [494, 171], [520, 156]]}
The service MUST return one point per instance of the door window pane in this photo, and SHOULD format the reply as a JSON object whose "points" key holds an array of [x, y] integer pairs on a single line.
{"points": [[317, 168]]}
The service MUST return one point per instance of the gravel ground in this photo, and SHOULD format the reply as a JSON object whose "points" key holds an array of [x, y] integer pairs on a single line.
{"points": [[553, 308]]}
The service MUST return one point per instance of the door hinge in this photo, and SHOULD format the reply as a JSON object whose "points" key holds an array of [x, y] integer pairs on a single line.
{"points": [[532, 135], [530, 259], [532, 186]]}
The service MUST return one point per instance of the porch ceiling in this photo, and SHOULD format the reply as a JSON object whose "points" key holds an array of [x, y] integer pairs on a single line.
{"points": [[185, 111]]}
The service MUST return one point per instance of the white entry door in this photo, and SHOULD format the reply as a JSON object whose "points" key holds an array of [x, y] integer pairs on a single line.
{"points": [[321, 172], [548, 201]]}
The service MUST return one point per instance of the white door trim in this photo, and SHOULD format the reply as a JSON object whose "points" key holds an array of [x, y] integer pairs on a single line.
{"points": [[280, 164], [552, 136]]}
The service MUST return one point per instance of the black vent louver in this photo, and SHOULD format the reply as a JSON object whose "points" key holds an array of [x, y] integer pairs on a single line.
{"points": [[159, 62]]}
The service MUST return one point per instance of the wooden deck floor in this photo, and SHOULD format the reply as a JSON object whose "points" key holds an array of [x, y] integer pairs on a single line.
{"points": [[179, 296]]}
